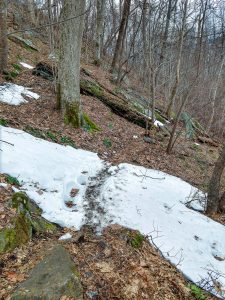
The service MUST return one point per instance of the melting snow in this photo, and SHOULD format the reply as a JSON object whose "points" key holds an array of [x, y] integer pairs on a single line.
{"points": [[14, 94], [65, 237], [25, 65], [139, 198]]}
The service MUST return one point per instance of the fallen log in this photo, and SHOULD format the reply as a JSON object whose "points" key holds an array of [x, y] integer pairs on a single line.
{"points": [[89, 86], [117, 105], [22, 42], [209, 141]]}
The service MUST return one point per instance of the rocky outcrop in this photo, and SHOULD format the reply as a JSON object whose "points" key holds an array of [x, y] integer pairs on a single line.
{"points": [[54, 277], [28, 221]]}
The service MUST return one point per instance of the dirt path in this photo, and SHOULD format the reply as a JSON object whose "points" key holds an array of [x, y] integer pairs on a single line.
{"points": [[94, 201]]}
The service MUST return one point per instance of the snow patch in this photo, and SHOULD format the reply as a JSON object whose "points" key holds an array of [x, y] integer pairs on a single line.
{"points": [[27, 66], [48, 172], [65, 237], [150, 201], [13, 94], [158, 123]]}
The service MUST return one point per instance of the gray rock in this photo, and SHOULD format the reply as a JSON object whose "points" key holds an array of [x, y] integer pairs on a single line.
{"points": [[55, 276], [149, 140]]}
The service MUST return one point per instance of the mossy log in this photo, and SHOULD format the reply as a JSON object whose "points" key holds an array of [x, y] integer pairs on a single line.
{"points": [[22, 42], [117, 105], [28, 221]]}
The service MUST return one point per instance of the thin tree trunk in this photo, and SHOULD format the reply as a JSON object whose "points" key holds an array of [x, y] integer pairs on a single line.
{"points": [[3, 36], [222, 203], [122, 34], [31, 8], [177, 79], [172, 139], [99, 30], [213, 201], [71, 33], [213, 100]]}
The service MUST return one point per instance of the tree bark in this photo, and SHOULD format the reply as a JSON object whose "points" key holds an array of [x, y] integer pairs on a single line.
{"points": [[122, 34], [31, 8], [3, 36], [213, 201], [71, 32], [99, 30], [177, 79], [222, 203]]}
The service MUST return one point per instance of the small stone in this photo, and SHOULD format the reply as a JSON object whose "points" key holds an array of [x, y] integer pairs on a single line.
{"points": [[92, 294], [149, 140]]}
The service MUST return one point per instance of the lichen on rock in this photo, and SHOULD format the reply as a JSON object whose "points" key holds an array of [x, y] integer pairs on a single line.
{"points": [[28, 221]]}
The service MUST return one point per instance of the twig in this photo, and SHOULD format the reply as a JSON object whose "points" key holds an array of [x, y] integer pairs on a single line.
{"points": [[7, 142]]}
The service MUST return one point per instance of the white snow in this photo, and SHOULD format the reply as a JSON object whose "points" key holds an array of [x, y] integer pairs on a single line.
{"points": [[66, 236], [144, 199], [152, 202], [14, 94], [48, 172], [158, 123], [27, 66]]}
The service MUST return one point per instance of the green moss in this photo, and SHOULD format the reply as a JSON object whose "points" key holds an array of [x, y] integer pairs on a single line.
{"points": [[72, 114], [12, 180], [89, 125], [27, 221], [17, 67], [19, 233], [107, 142], [197, 292], [35, 132], [7, 239], [67, 141], [136, 240], [159, 118], [52, 136], [20, 202], [23, 228], [3, 122], [91, 88], [42, 226], [138, 107]]}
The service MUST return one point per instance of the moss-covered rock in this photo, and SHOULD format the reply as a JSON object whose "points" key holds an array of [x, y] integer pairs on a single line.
{"points": [[20, 232], [27, 222]]}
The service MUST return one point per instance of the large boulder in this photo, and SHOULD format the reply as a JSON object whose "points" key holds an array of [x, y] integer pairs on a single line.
{"points": [[54, 277]]}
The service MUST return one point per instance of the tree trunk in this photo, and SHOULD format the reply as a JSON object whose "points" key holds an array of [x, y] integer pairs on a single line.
{"points": [[177, 79], [31, 8], [71, 32], [122, 34], [213, 99], [222, 203], [99, 30], [3, 36], [213, 201], [172, 139]]}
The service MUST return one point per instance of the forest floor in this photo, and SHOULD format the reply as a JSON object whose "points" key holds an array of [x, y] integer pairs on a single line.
{"points": [[110, 267]]}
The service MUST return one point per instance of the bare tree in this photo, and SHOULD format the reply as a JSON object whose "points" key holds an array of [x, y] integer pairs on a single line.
{"points": [[121, 35], [99, 30], [71, 31], [178, 66], [3, 36], [214, 202]]}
